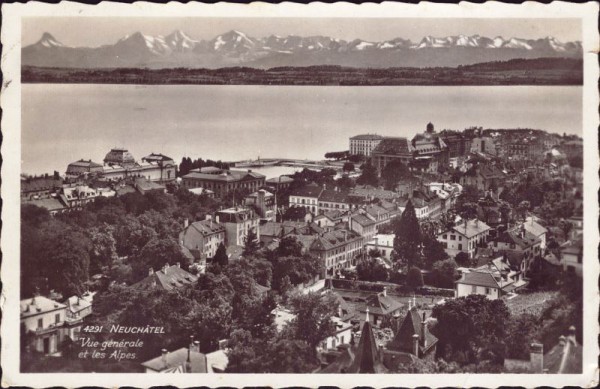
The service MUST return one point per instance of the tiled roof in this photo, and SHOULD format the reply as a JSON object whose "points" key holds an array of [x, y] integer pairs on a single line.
{"points": [[394, 146], [178, 358], [84, 163], [145, 185], [193, 235], [226, 176], [37, 184], [51, 204], [479, 279], [376, 193], [174, 277], [379, 304], [526, 240], [366, 356], [37, 305], [375, 210], [575, 248], [367, 137], [411, 325], [332, 239], [76, 304]]}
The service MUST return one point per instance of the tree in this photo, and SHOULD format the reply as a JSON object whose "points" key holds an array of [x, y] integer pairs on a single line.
{"points": [[522, 209], [345, 183], [414, 278], [394, 172], [104, 246], [371, 270], [543, 275], [156, 254], [433, 251], [521, 332], [348, 167], [471, 329], [250, 243], [462, 259], [221, 257], [289, 246], [368, 175], [407, 242], [444, 273], [313, 322]]}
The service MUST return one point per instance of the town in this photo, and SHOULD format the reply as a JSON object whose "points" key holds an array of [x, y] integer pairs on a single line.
{"points": [[456, 251]]}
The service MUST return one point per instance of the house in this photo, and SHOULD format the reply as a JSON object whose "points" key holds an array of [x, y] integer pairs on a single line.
{"points": [[263, 202], [33, 188], [367, 194], [184, 360], [202, 191], [44, 319], [279, 183], [225, 181], [238, 222], [363, 226], [331, 218], [572, 257], [379, 306], [566, 357], [119, 164], [482, 282], [273, 231], [537, 230], [78, 308], [342, 335], [391, 149], [78, 196], [306, 197], [337, 249], [464, 237], [202, 238], [364, 144], [519, 240], [413, 337], [52, 204], [484, 177], [333, 200], [167, 278], [361, 359], [430, 150], [384, 243], [143, 186]]}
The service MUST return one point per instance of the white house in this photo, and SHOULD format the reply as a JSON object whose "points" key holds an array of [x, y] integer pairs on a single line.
{"points": [[479, 282], [384, 243], [464, 237], [44, 318]]}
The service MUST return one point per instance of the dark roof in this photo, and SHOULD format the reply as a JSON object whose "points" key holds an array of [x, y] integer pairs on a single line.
{"points": [[225, 176], [379, 304], [367, 358], [526, 240], [394, 146], [84, 163], [280, 180], [333, 196], [152, 157], [363, 220], [575, 248], [40, 183], [177, 359], [307, 191], [51, 204], [332, 239], [479, 279], [172, 278], [411, 325]]}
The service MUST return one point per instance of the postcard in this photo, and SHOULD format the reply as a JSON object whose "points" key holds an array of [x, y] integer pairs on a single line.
{"points": [[286, 194]]}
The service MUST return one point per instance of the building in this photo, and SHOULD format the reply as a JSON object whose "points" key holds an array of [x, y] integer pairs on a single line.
{"points": [[337, 249], [167, 278], [363, 226], [224, 182], [120, 164], [480, 282], [537, 230], [392, 149], [518, 240], [430, 151], [342, 335], [333, 200], [413, 337], [367, 194], [484, 177], [202, 239], [484, 145], [78, 308], [184, 360], [379, 306], [34, 188], [572, 257], [238, 222], [44, 319], [458, 144], [78, 196], [306, 197], [83, 168], [465, 237], [263, 203], [331, 218], [143, 186], [384, 243], [279, 183], [51, 204], [364, 144]]}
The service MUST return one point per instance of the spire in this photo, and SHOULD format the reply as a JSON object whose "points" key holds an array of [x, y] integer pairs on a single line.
{"points": [[367, 358], [367, 315]]}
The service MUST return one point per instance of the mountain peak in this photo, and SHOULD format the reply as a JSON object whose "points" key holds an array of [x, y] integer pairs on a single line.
{"points": [[47, 40]]}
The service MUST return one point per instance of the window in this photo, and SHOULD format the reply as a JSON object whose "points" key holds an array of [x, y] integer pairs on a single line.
{"points": [[488, 291], [445, 236], [460, 246], [474, 289], [452, 237], [40, 323], [57, 318]]}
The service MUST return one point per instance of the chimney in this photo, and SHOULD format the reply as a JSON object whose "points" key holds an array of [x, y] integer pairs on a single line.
{"points": [[166, 268], [409, 304], [186, 222], [536, 357], [150, 271], [415, 345], [196, 346], [423, 326], [222, 344], [178, 265], [385, 291], [367, 315], [164, 357]]}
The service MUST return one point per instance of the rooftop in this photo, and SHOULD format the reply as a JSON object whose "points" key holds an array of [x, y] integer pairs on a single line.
{"points": [[175, 362], [167, 278], [367, 137], [478, 278], [394, 146], [471, 228], [225, 176], [38, 305]]}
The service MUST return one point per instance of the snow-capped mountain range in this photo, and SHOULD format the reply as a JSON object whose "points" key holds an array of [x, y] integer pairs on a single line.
{"points": [[235, 48]]}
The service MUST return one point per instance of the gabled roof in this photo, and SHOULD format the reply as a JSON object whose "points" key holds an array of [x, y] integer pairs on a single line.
{"points": [[376, 211], [38, 305], [479, 279], [378, 304], [176, 362], [51, 203], [394, 146], [173, 277], [363, 220], [332, 239], [522, 239], [366, 356]]}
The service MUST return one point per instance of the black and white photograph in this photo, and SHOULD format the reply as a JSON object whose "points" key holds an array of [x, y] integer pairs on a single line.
{"points": [[303, 195]]}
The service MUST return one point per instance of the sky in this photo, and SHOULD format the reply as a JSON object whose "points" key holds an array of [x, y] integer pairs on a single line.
{"points": [[97, 31]]}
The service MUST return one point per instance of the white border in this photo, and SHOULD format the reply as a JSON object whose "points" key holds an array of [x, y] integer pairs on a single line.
{"points": [[11, 96]]}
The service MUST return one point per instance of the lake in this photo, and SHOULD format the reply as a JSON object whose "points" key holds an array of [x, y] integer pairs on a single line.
{"points": [[62, 123]]}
